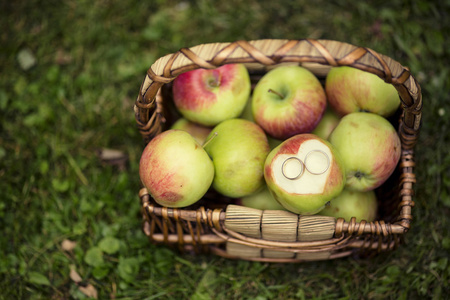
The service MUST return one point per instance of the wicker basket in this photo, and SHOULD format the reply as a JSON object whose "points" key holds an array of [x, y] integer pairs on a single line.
{"points": [[233, 231]]}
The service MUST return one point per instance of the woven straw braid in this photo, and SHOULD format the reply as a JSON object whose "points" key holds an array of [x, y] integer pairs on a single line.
{"points": [[198, 229], [266, 53]]}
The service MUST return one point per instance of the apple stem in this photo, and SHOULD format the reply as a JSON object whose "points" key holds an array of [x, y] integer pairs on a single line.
{"points": [[276, 93], [210, 139], [215, 80]]}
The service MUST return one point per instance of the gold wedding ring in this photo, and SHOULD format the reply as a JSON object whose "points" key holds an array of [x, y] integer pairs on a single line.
{"points": [[292, 168], [316, 162], [319, 162]]}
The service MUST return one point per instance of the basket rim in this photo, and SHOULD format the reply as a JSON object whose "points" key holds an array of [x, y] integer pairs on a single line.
{"points": [[272, 52]]}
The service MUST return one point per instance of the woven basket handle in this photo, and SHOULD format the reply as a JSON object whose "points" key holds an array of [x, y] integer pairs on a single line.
{"points": [[265, 53]]}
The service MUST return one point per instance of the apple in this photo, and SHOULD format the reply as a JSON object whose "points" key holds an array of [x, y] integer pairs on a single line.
{"points": [[262, 200], [370, 149], [198, 132], [304, 173], [288, 100], [247, 113], [175, 169], [210, 96], [327, 124], [361, 205], [351, 90], [238, 149]]}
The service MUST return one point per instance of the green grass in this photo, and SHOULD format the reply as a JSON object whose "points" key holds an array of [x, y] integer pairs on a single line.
{"points": [[78, 95]]}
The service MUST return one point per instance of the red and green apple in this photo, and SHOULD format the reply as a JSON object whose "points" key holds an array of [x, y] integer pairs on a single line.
{"points": [[304, 173], [210, 96], [288, 100], [370, 149], [352, 90], [175, 169]]}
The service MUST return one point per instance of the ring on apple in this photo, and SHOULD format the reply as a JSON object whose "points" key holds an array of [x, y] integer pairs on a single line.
{"points": [[288, 100], [361, 205], [238, 152], [352, 90], [175, 169], [210, 96], [370, 149], [304, 173], [317, 162]]}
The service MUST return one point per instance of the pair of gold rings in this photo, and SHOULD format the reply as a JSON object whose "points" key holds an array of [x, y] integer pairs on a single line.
{"points": [[316, 162]]}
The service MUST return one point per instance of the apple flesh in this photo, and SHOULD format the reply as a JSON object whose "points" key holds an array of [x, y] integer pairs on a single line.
{"points": [[198, 132], [175, 169], [304, 173], [288, 100], [238, 151], [210, 96], [370, 149], [352, 90], [361, 205]]}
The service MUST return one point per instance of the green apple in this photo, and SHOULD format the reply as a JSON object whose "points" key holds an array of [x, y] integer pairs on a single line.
{"points": [[262, 200], [288, 100], [361, 205], [238, 151], [327, 124], [210, 96], [198, 132], [352, 90], [304, 173], [247, 113], [370, 148], [175, 169]]}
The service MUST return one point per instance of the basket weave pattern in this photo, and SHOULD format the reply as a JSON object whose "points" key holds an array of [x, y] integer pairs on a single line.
{"points": [[204, 228]]}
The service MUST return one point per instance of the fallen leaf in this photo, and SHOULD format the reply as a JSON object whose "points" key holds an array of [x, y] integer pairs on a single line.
{"points": [[75, 276], [113, 157], [68, 245], [26, 59], [86, 288], [89, 291]]}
